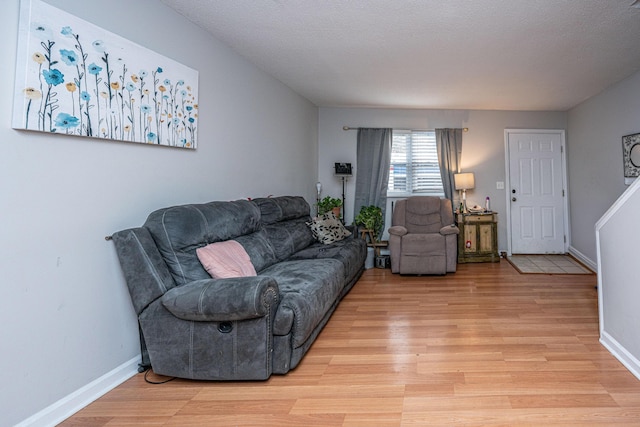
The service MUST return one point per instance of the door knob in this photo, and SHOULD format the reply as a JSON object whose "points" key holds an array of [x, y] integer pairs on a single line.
{"points": [[513, 199]]}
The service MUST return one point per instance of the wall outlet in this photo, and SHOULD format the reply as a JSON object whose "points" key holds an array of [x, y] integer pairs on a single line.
{"points": [[500, 185]]}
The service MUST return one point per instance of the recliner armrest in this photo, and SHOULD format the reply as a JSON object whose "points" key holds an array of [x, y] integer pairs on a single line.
{"points": [[218, 300], [449, 229], [397, 230]]}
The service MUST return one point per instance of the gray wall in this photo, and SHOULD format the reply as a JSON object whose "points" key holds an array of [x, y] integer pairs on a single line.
{"points": [[483, 149], [65, 312], [594, 147]]}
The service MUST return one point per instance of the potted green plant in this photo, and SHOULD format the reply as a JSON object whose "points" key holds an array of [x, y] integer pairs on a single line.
{"points": [[370, 217], [329, 204]]}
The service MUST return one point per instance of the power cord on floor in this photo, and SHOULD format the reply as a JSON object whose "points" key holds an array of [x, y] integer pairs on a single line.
{"points": [[146, 373]]}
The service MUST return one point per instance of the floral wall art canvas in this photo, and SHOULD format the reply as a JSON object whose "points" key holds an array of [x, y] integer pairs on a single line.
{"points": [[75, 78]]}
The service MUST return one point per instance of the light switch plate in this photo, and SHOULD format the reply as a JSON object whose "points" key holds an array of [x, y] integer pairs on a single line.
{"points": [[500, 185]]}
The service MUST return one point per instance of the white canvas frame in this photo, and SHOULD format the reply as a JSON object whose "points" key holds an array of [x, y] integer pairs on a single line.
{"points": [[75, 78]]}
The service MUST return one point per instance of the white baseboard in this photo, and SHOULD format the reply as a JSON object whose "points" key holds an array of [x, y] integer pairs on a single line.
{"points": [[69, 405], [583, 259], [621, 353]]}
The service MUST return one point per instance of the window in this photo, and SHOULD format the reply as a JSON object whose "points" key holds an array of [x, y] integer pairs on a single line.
{"points": [[414, 164]]}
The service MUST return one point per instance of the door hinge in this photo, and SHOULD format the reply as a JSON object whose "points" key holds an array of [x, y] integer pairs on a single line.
{"points": [[563, 192], [565, 238]]}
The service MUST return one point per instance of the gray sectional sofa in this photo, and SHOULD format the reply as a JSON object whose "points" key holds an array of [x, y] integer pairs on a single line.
{"points": [[238, 328]]}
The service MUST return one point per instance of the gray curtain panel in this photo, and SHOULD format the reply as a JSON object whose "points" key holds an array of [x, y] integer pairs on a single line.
{"points": [[449, 145], [373, 162]]}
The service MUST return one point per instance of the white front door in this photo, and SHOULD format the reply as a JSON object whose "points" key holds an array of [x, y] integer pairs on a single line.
{"points": [[536, 192]]}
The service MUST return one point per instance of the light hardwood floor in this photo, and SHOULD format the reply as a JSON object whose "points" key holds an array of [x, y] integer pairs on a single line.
{"points": [[485, 346]]}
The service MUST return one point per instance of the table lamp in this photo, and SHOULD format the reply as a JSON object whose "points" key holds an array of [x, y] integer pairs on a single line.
{"points": [[463, 182]]}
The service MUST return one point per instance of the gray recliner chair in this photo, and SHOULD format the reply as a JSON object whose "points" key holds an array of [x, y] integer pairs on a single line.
{"points": [[423, 236]]}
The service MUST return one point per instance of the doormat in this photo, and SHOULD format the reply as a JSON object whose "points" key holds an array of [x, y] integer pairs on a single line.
{"points": [[547, 264]]}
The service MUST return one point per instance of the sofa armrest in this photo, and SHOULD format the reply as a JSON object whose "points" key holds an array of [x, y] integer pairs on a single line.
{"points": [[397, 230], [353, 229], [449, 229], [217, 300]]}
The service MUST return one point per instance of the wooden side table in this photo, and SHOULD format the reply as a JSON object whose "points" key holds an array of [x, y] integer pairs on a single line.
{"points": [[367, 235], [478, 238]]}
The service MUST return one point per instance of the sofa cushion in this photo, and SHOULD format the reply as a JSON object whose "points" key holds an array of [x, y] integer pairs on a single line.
{"points": [[351, 252], [179, 230], [259, 248], [308, 289], [277, 209], [423, 244], [289, 237], [327, 228], [421, 214], [225, 259], [283, 220]]}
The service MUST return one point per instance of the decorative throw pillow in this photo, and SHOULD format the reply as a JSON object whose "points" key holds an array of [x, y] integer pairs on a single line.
{"points": [[327, 228], [225, 259]]}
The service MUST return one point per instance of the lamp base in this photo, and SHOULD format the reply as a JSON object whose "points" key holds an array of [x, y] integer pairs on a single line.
{"points": [[463, 202]]}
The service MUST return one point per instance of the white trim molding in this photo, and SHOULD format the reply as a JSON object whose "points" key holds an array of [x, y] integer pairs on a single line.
{"points": [[69, 405], [621, 353], [593, 266]]}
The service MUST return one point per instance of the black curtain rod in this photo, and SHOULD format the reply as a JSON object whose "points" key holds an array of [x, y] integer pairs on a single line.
{"points": [[352, 128]]}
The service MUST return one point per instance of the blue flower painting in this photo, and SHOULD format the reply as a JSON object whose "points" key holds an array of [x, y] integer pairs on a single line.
{"points": [[75, 78]]}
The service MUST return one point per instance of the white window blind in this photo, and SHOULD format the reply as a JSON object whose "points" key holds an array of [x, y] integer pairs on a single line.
{"points": [[414, 164]]}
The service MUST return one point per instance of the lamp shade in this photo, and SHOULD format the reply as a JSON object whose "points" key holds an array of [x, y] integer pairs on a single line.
{"points": [[464, 181]]}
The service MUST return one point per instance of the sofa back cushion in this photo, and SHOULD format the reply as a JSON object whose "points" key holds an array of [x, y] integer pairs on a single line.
{"points": [[179, 230], [277, 209], [259, 248], [422, 214], [284, 220]]}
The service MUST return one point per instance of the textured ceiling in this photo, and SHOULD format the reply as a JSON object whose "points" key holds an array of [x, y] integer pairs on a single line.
{"points": [[459, 54]]}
